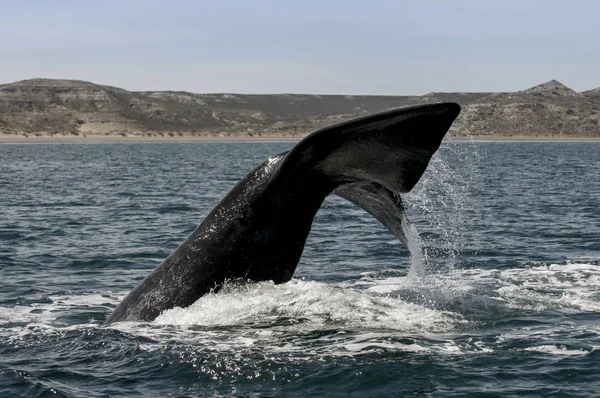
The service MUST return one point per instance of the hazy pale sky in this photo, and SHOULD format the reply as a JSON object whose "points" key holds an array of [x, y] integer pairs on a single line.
{"points": [[390, 47]]}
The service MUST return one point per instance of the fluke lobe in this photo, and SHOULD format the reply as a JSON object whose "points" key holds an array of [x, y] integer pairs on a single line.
{"points": [[257, 232]]}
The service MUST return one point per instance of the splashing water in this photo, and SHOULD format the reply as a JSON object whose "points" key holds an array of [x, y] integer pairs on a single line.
{"points": [[440, 204], [415, 244]]}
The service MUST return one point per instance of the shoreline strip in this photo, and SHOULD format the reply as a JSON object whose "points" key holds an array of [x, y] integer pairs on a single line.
{"points": [[20, 139]]}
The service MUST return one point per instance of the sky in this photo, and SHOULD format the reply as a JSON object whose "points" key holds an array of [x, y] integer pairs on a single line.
{"points": [[379, 47]]}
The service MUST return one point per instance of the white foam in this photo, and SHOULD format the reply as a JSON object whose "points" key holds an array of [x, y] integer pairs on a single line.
{"points": [[570, 286], [47, 313], [565, 287], [309, 305], [556, 350], [82, 300], [302, 318]]}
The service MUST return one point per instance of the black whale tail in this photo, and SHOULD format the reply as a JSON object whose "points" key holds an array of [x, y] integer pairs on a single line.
{"points": [[391, 148], [259, 229], [370, 160]]}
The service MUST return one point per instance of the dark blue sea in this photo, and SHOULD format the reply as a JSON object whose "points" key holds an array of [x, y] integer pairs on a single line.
{"points": [[501, 299]]}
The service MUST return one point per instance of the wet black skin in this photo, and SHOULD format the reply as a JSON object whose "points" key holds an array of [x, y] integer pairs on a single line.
{"points": [[258, 231]]}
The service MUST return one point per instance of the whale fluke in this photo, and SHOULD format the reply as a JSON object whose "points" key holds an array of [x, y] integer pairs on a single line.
{"points": [[257, 232]]}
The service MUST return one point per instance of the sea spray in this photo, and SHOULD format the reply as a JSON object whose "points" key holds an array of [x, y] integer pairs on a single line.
{"points": [[441, 204], [417, 256]]}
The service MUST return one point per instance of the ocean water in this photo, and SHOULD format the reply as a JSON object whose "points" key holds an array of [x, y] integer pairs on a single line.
{"points": [[505, 300]]}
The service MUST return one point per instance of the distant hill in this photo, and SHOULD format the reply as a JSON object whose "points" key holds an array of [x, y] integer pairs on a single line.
{"points": [[595, 91], [47, 106], [547, 109]]}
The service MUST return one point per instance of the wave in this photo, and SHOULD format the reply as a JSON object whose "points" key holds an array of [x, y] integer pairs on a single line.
{"points": [[464, 311]]}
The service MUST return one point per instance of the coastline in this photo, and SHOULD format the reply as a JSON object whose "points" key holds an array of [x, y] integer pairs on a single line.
{"points": [[523, 138], [136, 138]]}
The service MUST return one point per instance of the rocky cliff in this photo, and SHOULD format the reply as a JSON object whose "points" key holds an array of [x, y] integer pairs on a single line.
{"points": [[46, 106]]}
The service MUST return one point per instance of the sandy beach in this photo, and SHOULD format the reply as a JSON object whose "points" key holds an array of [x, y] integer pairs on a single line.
{"points": [[133, 138]]}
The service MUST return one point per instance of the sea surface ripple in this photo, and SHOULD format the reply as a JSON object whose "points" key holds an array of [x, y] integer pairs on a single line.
{"points": [[506, 301]]}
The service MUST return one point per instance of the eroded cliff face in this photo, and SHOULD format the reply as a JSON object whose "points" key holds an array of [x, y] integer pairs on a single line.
{"points": [[48, 106], [547, 109], [63, 106]]}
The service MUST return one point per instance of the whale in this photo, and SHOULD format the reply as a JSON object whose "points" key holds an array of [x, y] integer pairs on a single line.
{"points": [[258, 230]]}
